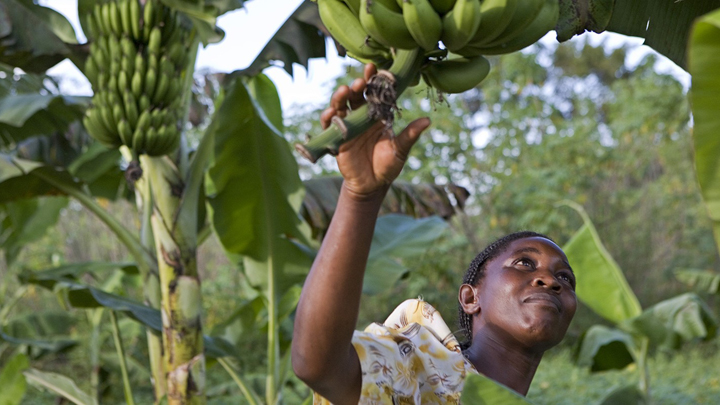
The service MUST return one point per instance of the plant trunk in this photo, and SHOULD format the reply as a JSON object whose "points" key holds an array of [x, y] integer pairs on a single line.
{"points": [[181, 302]]}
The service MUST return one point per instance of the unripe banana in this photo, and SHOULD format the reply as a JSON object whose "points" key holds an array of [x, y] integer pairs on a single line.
{"points": [[107, 19], [135, 19], [457, 75], [139, 140], [124, 9], [496, 15], [151, 139], [424, 24], [150, 81], [114, 47], [97, 129], [92, 27], [115, 22], [521, 19], [385, 26], [162, 87], [442, 6], [391, 5], [114, 67], [91, 71], [112, 86], [543, 23], [125, 132], [177, 54], [131, 110], [154, 41], [140, 64], [345, 28], [127, 65], [136, 85], [122, 80], [143, 102], [128, 47], [460, 24], [107, 117], [148, 18], [99, 22]]}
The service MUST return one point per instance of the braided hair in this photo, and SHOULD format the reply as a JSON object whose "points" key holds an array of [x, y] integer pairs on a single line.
{"points": [[476, 270]]}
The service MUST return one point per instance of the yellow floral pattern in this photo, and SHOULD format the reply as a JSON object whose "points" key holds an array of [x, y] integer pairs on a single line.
{"points": [[412, 358]]}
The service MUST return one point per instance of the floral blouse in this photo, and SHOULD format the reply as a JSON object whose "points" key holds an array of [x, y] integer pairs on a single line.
{"points": [[412, 358]]}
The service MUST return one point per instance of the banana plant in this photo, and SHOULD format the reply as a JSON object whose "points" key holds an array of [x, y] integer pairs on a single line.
{"points": [[604, 289]]}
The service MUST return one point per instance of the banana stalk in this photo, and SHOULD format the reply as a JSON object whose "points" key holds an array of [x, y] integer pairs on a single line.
{"points": [[405, 68], [181, 303]]}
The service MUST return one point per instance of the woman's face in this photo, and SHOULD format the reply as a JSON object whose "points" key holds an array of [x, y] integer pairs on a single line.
{"points": [[527, 294]]}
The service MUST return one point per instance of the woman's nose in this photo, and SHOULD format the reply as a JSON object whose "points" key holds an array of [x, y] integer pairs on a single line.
{"points": [[546, 280]]}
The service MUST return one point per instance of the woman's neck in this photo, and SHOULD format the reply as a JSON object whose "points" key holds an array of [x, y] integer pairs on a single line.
{"points": [[508, 364]]}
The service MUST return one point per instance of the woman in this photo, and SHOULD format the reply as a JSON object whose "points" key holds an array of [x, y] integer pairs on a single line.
{"points": [[516, 301]]}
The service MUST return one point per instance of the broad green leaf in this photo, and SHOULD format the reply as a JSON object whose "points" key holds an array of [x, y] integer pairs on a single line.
{"points": [[397, 237], [25, 115], [60, 385], [602, 348], [95, 162], [13, 381], [674, 321], [701, 280], [296, 41], [27, 221], [254, 192], [601, 284], [263, 91], [626, 395], [665, 25], [480, 390], [55, 22], [49, 277], [703, 58], [416, 200], [32, 45]]}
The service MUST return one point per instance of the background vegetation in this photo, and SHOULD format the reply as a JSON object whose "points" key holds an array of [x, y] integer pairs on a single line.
{"points": [[549, 124]]}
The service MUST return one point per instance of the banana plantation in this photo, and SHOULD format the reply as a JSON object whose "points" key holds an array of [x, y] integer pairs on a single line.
{"points": [[155, 235]]}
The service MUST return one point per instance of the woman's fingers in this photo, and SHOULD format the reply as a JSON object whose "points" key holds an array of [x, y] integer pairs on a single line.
{"points": [[369, 71], [326, 116], [339, 100], [407, 138], [357, 98]]}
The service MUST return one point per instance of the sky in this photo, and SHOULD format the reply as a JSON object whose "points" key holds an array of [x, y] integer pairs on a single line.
{"points": [[247, 31]]}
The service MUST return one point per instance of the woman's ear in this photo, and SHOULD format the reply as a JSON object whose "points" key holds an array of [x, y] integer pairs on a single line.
{"points": [[468, 299]]}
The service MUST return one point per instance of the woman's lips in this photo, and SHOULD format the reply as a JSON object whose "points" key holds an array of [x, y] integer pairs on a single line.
{"points": [[544, 299]]}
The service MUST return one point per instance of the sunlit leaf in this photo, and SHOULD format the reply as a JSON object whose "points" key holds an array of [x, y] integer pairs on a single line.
{"points": [[602, 348], [49, 277], [60, 385], [703, 58], [12, 380], [701, 280], [676, 320], [480, 390], [601, 284]]}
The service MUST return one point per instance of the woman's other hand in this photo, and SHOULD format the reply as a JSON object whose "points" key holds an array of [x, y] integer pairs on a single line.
{"points": [[371, 161]]}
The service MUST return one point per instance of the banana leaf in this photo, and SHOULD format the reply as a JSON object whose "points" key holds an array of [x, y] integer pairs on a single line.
{"points": [[665, 25], [625, 395], [602, 348], [13, 381], [300, 38], [601, 284], [25, 115], [415, 200], [701, 280], [60, 385], [704, 58], [36, 37], [22, 222]]}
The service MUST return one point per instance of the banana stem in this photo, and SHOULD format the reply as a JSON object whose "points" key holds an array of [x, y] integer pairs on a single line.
{"points": [[405, 69]]}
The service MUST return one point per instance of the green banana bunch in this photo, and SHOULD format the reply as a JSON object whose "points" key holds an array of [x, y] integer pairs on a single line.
{"points": [[137, 62], [423, 22], [460, 24]]}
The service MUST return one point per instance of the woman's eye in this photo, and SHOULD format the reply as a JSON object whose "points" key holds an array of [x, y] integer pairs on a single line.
{"points": [[566, 277], [525, 263]]}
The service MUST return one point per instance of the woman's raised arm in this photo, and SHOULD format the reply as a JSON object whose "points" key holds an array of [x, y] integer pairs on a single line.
{"points": [[322, 353]]}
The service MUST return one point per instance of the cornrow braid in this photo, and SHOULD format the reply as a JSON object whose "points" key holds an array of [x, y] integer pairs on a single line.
{"points": [[476, 271]]}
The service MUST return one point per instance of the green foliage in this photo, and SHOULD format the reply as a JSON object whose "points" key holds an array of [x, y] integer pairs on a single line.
{"points": [[481, 390], [704, 94], [13, 381]]}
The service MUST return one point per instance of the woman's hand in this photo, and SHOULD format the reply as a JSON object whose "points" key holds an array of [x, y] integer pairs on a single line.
{"points": [[371, 161]]}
